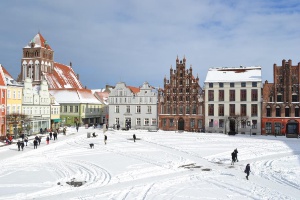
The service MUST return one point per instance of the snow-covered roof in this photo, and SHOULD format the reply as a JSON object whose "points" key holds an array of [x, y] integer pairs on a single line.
{"points": [[74, 96], [39, 41], [233, 74], [63, 76]]}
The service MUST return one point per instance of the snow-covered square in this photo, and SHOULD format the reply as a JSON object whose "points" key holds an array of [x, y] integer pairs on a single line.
{"points": [[158, 165]]}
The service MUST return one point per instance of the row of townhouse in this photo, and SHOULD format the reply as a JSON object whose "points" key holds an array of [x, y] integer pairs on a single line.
{"points": [[233, 100], [46, 94]]}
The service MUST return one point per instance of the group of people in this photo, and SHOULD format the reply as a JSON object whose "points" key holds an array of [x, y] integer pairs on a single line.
{"points": [[234, 159]]}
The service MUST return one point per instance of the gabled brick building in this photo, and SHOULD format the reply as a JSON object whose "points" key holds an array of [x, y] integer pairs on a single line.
{"points": [[281, 99], [180, 102]]}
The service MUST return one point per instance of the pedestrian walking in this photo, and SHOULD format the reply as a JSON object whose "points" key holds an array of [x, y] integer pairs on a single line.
{"points": [[134, 137], [22, 145], [35, 143], [26, 140], [236, 157], [233, 156], [105, 139], [19, 145], [247, 170], [41, 131], [47, 140], [50, 134], [40, 139]]}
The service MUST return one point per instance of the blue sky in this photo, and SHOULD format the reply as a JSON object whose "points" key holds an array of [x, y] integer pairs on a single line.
{"points": [[134, 41]]}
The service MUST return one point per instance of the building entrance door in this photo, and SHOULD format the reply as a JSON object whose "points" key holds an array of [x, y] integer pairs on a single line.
{"points": [[180, 124]]}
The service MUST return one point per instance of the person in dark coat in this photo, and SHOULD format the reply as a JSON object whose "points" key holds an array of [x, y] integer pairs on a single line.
{"points": [[118, 126], [134, 137], [19, 145], [50, 134], [26, 140], [22, 136], [47, 140], [105, 139], [39, 140], [35, 143], [22, 145], [247, 170], [236, 152], [233, 156], [41, 131]]}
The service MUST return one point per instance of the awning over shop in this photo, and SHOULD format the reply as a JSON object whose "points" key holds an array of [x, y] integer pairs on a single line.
{"points": [[56, 120]]}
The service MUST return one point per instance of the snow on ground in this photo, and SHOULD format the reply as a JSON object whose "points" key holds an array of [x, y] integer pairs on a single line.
{"points": [[159, 165]]}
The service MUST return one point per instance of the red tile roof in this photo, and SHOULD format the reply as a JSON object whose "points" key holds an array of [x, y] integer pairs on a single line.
{"points": [[133, 89], [2, 76], [40, 40], [62, 77]]}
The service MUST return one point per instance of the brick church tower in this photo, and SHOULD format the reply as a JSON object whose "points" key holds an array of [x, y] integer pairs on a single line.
{"points": [[180, 102], [37, 58]]}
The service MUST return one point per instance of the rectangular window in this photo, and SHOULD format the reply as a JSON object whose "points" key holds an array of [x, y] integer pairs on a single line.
{"points": [[192, 123], [3, 94], [253, 110], [243, 123], [268, 112], [19, 94], [243, 84], [278, 113], [187, 110], [296, 112], [128, 109], [268, 128], [243, 109], [199, 123], [8, 110], [254, 84], [8, 94], [279, 98], [153, 122], [221, 95], [254, 94], [232, 95], [138, 109], [287, 112], [211, 109], [211, 123], [146, 122], [210, 95], [294, 98], [14, 94], [231, 109], [138, 121], [149, 109], [117, 109], [117, 120], [221, 109], [164, 122], [232, 85], [221, 123], [65, 109], [211, 85], [76, 109], [71, 109], [221, 85], [243, 95], [171, 121], [254, 124]]}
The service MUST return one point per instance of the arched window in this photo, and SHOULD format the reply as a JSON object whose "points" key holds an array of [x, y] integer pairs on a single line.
{"points": [[278, 112], [268, 111]]}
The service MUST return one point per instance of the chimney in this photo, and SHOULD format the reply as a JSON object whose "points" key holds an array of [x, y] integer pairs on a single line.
{"points": [[71, 64], [77, 75]]}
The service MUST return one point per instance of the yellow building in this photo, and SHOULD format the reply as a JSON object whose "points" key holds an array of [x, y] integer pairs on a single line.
{"points": [[14, 118]]}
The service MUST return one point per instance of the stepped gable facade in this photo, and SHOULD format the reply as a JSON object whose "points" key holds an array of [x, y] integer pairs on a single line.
{"points": [[281, 102], [180, 102]]}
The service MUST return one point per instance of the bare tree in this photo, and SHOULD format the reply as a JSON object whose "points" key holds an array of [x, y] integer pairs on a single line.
{"points": [[16, 120]]}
